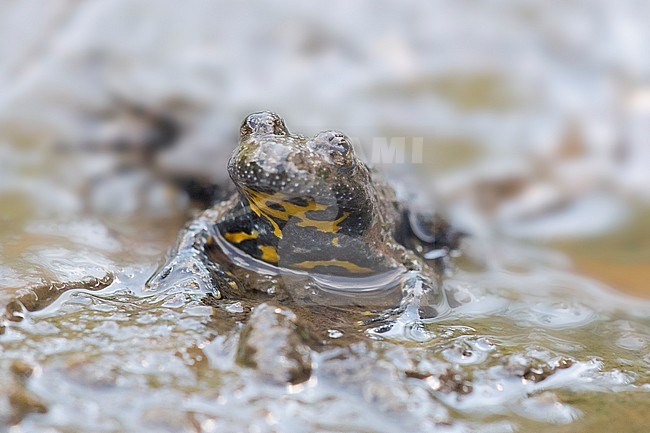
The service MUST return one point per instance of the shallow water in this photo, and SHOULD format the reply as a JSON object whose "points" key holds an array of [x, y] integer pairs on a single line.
{"points": [[128, 358]]}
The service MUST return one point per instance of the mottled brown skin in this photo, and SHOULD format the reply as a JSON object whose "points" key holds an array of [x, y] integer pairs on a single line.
{"points": [[308, 203]]}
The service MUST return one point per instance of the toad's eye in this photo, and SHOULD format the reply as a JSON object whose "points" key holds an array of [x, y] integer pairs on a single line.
{"points": [[336, 145], [263, 123]]}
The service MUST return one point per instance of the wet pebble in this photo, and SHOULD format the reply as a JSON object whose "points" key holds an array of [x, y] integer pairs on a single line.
{"points": [[273, 343]]}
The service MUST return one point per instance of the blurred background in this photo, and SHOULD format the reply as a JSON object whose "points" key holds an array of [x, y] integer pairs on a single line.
{"points": [[528, 120]]}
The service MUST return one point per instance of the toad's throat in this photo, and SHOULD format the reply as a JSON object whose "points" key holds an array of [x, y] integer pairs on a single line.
{"points": [[277, 208], [295, 257], [301, 234]]}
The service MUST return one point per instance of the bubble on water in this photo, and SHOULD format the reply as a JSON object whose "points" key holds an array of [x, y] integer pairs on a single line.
{"points": [[555, 315], [403, 329], [483, 306], [333, 333], [235, 308], [484, 344], [629, 335], [176, 300], [459, 292], [631, 342], [467, 352]]}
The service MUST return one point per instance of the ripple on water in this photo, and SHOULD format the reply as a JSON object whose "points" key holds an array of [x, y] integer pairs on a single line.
{"points": [[553, 315], [547, 407]]}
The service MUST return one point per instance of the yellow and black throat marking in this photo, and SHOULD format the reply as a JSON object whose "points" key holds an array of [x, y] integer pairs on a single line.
{"points": [[303, 233]]}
